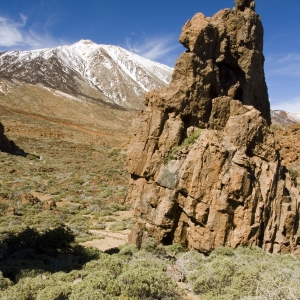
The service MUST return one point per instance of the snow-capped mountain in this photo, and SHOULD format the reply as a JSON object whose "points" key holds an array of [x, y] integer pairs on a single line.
{"points": [[281, 117], [89, 71]]}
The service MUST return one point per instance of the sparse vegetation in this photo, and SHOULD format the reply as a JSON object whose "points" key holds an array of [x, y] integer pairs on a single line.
{"points": [[294, 172], [51, 265], [40, 254], [190, 140]]}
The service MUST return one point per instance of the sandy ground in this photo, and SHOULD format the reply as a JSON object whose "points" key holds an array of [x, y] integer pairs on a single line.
{"points": [[109, 239]]}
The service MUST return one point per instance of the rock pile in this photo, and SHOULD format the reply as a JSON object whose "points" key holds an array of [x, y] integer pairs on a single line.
{"points": [[205, 168]]}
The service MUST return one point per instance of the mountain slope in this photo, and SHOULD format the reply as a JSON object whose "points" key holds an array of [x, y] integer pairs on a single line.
{"points": [[89, 71], [283, 118]]}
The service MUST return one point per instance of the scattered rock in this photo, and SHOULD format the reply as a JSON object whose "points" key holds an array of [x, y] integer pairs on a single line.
{"points": [[226, 185], [50, 205], [10, 211], [29, 198]]}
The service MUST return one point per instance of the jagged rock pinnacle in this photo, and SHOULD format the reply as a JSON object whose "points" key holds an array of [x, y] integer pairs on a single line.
{"points": [[243, 4], [205, 167]]}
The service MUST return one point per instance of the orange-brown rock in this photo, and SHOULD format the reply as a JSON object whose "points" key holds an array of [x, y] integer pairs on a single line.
{"points": [[29, 198], [289, 140], [10, 211], [50, 205], [205, 167]]}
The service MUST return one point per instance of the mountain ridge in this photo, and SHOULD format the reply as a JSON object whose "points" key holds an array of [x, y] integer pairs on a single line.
{"points": [[283, 118], [87, 70]]}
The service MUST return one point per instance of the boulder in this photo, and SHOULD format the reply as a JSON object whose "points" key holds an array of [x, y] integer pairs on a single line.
{"points": [[29, 198]]}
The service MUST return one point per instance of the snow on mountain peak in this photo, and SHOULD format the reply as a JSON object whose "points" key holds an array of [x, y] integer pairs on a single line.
{"points": [[105, 72], [86, 42]]}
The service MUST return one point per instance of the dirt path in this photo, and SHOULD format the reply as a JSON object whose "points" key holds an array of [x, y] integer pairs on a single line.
{"points": [[110, 239]]}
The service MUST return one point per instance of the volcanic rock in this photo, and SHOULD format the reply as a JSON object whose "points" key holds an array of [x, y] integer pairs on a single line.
{"points": [[29, 198], [205, 167], [50, 205], [10, 211]]}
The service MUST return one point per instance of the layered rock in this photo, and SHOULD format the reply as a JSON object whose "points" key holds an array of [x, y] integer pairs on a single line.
{"points": [[205, 168]]}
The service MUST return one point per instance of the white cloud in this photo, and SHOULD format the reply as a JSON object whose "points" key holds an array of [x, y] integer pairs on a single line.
{"points": [[155, 48], [10, 34], [15, 35], [283, 65], [292, 105]]}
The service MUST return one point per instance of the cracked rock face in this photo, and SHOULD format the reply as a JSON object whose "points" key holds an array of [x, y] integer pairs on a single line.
{"points": [[205, 168]]}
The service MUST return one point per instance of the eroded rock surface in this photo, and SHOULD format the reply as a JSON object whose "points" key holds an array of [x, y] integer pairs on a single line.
{"points": [[205, 168]]}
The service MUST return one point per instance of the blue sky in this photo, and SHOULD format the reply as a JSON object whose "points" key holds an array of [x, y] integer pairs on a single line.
{"points": [[151, 29]]}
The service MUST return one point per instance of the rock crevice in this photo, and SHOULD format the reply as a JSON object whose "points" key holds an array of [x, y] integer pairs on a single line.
{"points": [[205, 168]]}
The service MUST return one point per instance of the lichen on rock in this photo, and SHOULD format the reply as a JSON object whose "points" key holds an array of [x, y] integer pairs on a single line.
{"points": [[226, 187]]}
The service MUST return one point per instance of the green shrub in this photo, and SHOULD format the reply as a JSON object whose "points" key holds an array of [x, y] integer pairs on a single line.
{"points": [[113, 264], [4, 282], [185, 144], [98, 226], [294, 172], [214, 277], [148, 283], [108, 219], [105, 212], [192, 138], [175, 248], [118, 226], [149, 245], [55, 291], [128, 250], [225, 251]]}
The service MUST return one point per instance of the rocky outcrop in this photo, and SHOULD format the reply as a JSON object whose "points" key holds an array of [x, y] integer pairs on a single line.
{"points": [[29, 198], [205, 168], [288, 139]]}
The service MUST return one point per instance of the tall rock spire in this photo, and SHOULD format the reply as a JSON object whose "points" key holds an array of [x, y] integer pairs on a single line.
{"points": [[243, 4], [205, 168]]}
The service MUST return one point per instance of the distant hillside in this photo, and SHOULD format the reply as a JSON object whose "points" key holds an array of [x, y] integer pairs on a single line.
{"points": [[283, 118]]}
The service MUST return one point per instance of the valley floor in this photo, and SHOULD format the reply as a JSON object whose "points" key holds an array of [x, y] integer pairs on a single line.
{"points": [[63, 201]]}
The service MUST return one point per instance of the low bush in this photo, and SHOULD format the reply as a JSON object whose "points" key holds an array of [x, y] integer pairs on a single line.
{"points": [[148, 283]]}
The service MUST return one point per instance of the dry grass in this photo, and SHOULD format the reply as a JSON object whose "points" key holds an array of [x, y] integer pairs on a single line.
{"points": [[75, 158]]}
